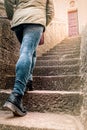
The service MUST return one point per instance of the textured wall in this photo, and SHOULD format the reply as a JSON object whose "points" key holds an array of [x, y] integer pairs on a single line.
{"points": [[2, 9], [9, 51], [84, 74]]}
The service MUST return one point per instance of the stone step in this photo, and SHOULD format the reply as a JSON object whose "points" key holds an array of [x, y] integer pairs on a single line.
{"points": [[48, 58], [61, 83], [67, 56], [77, 39], [49, 101], [54, 62], [69, 43], [57, 83], [39, 121], [61, 53], [58, 57], [54, 70], [64, 49]]}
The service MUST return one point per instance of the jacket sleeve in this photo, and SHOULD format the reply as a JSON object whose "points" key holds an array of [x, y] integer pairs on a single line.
{"points": [[9, 7], [49, 11]]}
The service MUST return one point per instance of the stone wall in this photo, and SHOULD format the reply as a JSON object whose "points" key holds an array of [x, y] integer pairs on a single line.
{"points": [[84, 74], [9, 51], [2, 9]]}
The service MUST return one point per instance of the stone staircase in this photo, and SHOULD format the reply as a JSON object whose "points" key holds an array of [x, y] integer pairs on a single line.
{"points": [[56, 102]]}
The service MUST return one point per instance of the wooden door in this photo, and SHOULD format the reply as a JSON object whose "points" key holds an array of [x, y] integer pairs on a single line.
{"points": [[73, 23]]}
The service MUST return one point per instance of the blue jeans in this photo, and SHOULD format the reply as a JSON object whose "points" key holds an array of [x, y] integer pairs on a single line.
{"points": [[29, 38]]}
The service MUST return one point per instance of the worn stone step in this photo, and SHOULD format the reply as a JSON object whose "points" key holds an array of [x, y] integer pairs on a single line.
{"points": [[61, 53], [39, 121], [67, 56], [61, 83], [49, 57], [49, 101], [58, 57], [54, 70], [54, 62], [77, 40], [64, 49], [69, 42]]}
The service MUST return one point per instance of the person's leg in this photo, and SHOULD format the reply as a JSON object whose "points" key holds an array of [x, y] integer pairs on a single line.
{"points": [[29, 85], [19, 34], [31, 38]]}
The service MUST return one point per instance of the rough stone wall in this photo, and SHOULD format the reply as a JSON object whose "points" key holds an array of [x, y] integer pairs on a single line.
{"points": [[9, 51], [2, 9], [84, 74]]}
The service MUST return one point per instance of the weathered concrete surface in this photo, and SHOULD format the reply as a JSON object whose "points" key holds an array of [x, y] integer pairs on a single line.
{"points": [[84, 74], [39, 121], [50, 101]]}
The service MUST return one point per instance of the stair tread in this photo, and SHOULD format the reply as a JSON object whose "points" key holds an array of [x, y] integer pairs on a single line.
{"points": [[59, 66], [57, 82], [45, 92], [73, 75], [49, 101], [55, 76], [40, 121]]}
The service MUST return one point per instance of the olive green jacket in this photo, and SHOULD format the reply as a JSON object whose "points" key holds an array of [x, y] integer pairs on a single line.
{"points": [[29, 11]]}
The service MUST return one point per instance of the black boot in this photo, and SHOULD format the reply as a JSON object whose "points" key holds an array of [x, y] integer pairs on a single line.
{"points": [[29, 86], [14, 103]]}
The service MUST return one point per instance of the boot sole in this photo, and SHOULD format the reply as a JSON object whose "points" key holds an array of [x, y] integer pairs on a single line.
{"points": [[16, 111]]}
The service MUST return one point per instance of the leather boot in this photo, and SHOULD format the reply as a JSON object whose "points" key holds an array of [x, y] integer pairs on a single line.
{"points": [[14, 103], [29, 86]]}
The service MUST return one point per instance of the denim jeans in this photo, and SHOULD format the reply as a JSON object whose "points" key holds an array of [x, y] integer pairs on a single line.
{"points": [[29, 36]]}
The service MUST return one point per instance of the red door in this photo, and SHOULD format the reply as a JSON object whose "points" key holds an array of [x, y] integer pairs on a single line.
{"points": [[73, 23]]}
